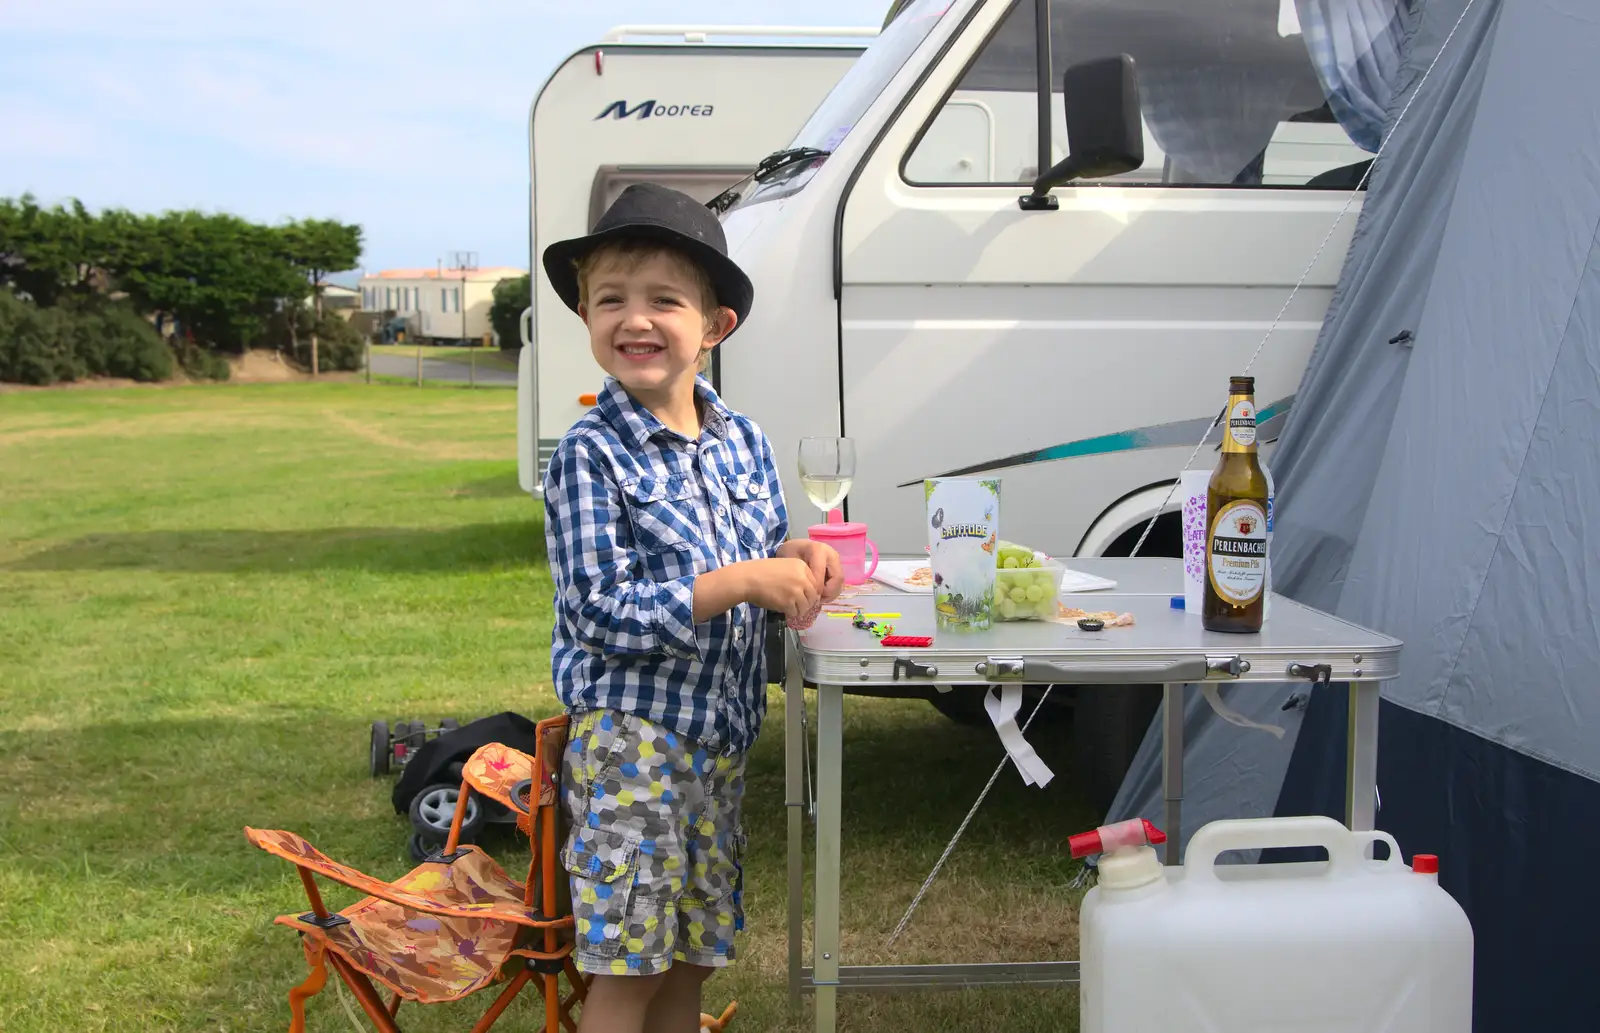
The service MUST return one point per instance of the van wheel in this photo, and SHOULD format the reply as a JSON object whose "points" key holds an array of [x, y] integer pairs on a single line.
{"points": [[1110, 724], [962, 704]]}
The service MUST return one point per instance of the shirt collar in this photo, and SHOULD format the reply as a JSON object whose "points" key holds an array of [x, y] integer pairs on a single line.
{"points": [[637, 425]]}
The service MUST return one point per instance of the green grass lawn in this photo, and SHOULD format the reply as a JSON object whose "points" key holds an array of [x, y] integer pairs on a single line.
{"points": [[486, 358], [207, 595]]}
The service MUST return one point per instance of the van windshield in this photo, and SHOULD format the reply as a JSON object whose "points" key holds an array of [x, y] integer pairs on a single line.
{"points": [[849, 100]]}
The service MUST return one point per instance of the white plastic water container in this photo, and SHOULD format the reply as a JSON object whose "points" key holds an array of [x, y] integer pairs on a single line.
{"points": [[1347, 945]]}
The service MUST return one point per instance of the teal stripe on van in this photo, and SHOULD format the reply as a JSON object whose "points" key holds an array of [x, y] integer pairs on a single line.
{"points": [[1269, 420]]}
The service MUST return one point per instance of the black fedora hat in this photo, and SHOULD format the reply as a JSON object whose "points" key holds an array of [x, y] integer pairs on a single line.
{"points": [[655, 212]]}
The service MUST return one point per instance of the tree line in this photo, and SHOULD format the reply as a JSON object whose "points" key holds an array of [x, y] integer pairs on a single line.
{"points": [[119, 293]]}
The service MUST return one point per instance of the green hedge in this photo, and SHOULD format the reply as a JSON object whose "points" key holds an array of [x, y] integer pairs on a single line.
{"points": [[200, 363], [77, 339], [339, 345]]}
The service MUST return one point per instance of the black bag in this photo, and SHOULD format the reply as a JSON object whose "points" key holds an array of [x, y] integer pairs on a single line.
{"points": [[431, 763]]}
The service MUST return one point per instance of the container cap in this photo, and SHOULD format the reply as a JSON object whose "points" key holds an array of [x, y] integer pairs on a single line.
{"points": [[1425, 864], [840, 529], [1106, 838]]}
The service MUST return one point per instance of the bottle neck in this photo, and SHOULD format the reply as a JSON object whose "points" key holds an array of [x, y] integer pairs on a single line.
{"points": [[1239, 425]]}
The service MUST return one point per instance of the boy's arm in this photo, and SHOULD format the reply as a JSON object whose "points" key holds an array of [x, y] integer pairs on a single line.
{"points": [[593, 560]]}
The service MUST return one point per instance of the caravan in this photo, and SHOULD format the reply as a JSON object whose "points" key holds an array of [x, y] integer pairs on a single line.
{"points": [[669, 104]]}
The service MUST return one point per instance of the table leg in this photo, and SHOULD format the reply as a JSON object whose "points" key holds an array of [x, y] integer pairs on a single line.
{"points": [[794, 701], [1361, 761], [825, 966], [1172, 770]]}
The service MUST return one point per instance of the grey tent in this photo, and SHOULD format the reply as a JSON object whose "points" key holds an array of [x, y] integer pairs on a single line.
{"points": [[1434, 481]]}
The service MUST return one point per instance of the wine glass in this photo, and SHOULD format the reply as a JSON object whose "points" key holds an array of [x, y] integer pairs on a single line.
{"points": [[827, 466]]}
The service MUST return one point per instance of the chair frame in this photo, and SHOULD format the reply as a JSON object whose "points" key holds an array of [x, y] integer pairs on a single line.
{"points": [[539, 818]]}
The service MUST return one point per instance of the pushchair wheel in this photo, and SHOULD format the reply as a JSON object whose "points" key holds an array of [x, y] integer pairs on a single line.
{"points": [[433, 809], [379, 756], [418, 847], [448, 724]]}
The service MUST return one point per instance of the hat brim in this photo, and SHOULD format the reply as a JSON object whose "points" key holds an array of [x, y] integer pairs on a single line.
{"points": [[733, 288]]}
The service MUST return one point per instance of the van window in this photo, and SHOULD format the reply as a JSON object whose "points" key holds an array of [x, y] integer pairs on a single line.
{"points": [[853, 94], [701, 182], [1234, 93]]}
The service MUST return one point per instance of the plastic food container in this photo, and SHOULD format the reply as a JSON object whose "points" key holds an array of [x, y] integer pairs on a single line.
{"points": [[1027, 593]]}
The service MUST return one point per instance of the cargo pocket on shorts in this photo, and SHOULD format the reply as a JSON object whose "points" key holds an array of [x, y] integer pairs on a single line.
{"points": [[603, 866]]}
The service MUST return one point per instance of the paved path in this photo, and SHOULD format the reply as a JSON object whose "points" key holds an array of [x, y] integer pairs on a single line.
{"points": [[435, 369]]}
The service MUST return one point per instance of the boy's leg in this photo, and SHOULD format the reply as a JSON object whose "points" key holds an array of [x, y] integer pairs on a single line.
{"points": [[711, 910], [623, 1004], [676, 1007], [626, 787]]}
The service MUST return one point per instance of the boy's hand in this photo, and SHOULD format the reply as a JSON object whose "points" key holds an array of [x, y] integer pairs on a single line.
{"points": [[784, 585], [822, 559]]}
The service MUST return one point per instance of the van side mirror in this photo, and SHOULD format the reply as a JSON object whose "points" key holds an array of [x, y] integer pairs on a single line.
{"points": [[1105, 136]]}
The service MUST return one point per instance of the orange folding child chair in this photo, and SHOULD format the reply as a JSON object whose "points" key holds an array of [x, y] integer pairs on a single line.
{"points": [[456, 923]]}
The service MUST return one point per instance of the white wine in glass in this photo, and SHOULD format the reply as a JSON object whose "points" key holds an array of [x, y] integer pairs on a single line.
{"points": [[827, 467]]}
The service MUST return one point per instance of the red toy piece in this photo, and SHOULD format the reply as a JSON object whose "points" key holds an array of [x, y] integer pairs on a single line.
{"points": [[908, 640]]}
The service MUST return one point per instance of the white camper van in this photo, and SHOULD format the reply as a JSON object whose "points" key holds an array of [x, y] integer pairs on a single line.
{"points": [[693, 107], [1039, 255]]}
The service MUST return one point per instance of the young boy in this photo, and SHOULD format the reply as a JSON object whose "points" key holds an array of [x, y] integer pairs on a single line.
{"points": [[666, 529]]}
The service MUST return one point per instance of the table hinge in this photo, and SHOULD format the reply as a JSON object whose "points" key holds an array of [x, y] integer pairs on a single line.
{"points": [[913, 669], [1317, 674], [1002, 668], [1232, 666]]}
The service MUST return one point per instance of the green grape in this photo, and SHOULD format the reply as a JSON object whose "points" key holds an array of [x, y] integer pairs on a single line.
{"points": [[1008, 610], [1019, 594], [1011, 563], [1035, 593]]}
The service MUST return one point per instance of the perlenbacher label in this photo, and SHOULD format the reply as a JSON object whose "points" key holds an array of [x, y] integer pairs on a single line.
{"points": [[1237, 559]]}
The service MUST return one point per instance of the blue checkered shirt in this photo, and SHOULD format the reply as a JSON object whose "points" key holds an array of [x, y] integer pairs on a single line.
{"points": [[634, 512]]}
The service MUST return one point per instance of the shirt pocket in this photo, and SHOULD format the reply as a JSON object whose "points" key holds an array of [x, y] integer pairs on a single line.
{"points": [[754, 509], [661, 512]]}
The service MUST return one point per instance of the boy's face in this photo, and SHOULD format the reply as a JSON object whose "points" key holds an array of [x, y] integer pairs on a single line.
{"points": [[647, 323]]}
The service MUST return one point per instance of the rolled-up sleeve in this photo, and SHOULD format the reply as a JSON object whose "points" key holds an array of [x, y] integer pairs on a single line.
{"points": [[609, 608]]}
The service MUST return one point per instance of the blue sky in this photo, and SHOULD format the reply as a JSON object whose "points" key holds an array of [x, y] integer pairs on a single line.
{"points": [[406, 117]]}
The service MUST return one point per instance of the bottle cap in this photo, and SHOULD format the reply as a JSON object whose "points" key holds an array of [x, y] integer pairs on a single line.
{"points": [[1177, 602], [1134, 832], [1425, 864]]}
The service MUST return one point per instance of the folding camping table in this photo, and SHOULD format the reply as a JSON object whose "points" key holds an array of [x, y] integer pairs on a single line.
{"points": [[1165, 646]]}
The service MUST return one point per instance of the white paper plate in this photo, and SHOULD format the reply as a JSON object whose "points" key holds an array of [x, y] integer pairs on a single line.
{"points": [[1078, 581], [894, 573]]}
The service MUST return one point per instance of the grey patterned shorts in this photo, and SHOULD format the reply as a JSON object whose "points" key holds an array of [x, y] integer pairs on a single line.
{"points": [[655, 846]]}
